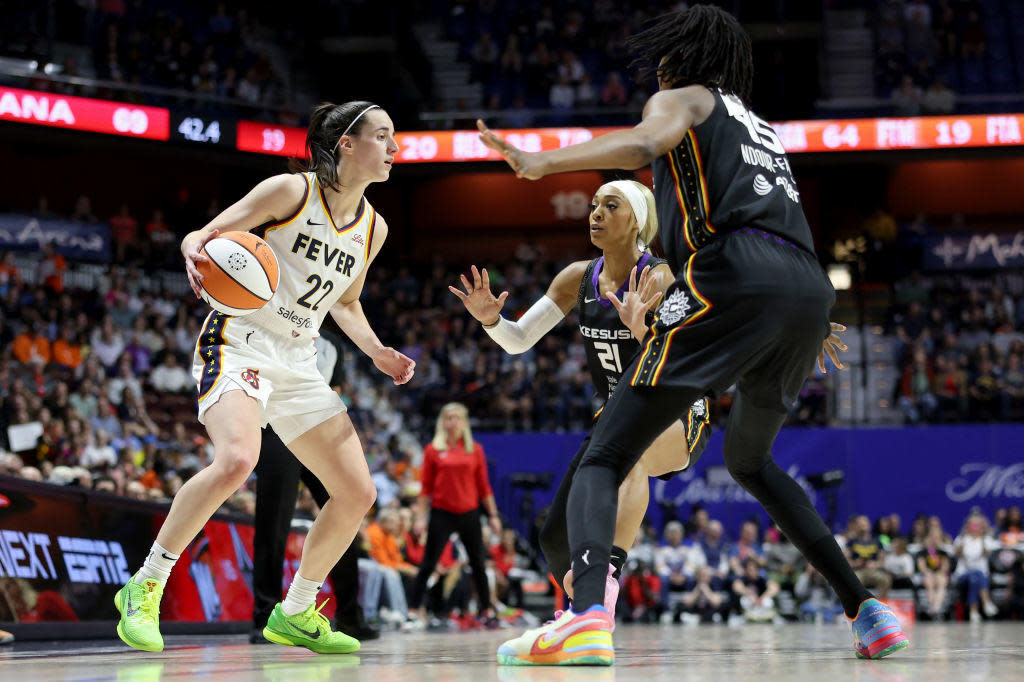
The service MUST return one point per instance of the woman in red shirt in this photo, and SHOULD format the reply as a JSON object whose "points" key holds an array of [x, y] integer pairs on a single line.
{"points": [[454, 478]]}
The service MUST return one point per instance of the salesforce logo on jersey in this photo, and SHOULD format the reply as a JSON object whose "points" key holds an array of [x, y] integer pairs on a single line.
{"points": [[81, 241]]}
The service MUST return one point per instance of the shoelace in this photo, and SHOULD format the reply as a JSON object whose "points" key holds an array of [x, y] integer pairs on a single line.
{"points": [[317, 618], [150, 607]]}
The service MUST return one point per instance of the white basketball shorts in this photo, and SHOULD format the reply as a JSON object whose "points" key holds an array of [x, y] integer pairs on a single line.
{"points": [[278, 372]]}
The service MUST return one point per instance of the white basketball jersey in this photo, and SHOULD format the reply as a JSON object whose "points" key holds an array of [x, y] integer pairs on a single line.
{"points": [[317, 259]]}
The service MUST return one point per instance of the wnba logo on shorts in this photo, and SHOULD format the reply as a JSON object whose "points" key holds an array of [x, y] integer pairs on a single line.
{"points": [[252, 377]]}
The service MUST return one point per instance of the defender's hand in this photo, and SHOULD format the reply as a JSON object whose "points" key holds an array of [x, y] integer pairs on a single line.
{"points": [[832, 345], [478, 299]]}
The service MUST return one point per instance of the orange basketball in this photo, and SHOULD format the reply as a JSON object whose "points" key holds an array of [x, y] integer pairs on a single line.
{"points": [[240, 274]]}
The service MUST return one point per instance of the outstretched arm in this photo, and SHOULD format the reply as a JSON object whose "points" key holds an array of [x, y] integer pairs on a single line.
{"points": [[519, 336], [667, 116]]}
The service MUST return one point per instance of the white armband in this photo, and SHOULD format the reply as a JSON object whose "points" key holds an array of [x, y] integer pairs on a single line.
{"points": [[518, 337]]}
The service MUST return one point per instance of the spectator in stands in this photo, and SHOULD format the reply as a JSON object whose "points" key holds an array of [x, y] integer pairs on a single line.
{"points": [[818, 600], [950, 387], [1011, 531], [125, 230], [938, 98], [946, 31], [31, 346], [125, 378], [137, 350], [906, 99], [586, 95], [107, 343], [899, 564], [10, 276], [388, 487], [383, 538], [98, 453], [570, 68], [83, 210], [783, 561], [745, 548], [972, 548], [715, 548], [83, 400], [562, 95], [933, 565], [106, 418], [641, 588], [51, 269], [866, 555], [66, 351], [754, 593], [916, 389], [703, 603], [170, 377], [697, 523], [984, 393], [507, 571], [674, 565], [613, 93]]}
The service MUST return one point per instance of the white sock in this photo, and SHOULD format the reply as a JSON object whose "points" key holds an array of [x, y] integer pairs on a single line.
{"points": [[301, 595], [158, 564]]}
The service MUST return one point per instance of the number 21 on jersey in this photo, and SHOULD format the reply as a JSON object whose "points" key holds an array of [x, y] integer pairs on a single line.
{"points": [[608, 354]]}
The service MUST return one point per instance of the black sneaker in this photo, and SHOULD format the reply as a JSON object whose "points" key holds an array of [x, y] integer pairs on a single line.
{"points": [[256, 636], [362, 630]]}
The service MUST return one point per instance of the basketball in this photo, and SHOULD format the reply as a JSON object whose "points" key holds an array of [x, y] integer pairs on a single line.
{"points": [[240, 274]]}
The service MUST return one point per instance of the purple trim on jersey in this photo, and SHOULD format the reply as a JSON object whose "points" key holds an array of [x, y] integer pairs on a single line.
{"points": [[644, 257]]}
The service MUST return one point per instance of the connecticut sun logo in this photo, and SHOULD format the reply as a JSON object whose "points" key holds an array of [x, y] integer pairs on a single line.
{"points": [[675, 308], [252, 377]]}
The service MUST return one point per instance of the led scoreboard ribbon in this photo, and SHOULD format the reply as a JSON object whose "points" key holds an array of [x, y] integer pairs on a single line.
{"points": [[83, 113], [837, 135], [448, 146]]}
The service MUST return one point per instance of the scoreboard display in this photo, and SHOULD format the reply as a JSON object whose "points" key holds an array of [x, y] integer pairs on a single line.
{"points": [[453, 146]]}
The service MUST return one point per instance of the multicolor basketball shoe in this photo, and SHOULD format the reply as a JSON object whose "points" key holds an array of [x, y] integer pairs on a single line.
{"points": [[611, 592], [571, 639], [309, 629], [876, 631], [139, 604]]}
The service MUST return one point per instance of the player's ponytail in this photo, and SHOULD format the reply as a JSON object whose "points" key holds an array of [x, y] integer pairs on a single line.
{"points": [[649, 230], [326, 126]]}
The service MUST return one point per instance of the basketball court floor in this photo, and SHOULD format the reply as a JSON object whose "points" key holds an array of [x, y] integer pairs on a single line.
{"points": [[939, 652]]}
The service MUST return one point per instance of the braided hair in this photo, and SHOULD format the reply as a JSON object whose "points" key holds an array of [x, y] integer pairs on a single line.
{"points": [[703, 45], [326, 126]]}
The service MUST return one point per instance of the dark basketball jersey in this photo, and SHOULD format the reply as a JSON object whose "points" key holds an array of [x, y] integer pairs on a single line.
{"points": [[729, 172], [609, 343]]}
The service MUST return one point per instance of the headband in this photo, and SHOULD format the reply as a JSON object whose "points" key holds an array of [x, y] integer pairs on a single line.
{"points": [[635, 198], [359, 116]]}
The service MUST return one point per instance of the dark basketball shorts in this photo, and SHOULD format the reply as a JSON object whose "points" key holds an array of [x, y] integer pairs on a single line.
{"points": [[750, 309]]}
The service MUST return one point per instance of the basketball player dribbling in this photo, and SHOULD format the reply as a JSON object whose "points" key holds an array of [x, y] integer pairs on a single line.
{"points": [[749, 307], [614, 307], [261, 369]]}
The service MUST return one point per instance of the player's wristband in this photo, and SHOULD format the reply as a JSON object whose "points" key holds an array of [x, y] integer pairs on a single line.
{"points": [[493, 324]]}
